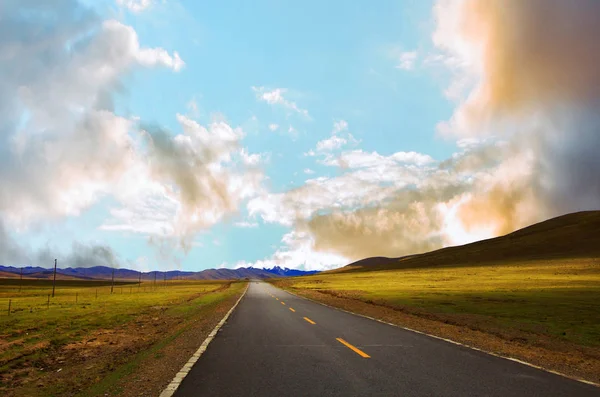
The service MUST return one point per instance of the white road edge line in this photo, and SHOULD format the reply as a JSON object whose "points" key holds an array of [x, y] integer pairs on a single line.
{"points": [[450, 341], [172, 387]]}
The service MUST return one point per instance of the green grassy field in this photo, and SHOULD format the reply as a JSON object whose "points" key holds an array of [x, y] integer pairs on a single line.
{"points": [[37, 336], [556, 298]]}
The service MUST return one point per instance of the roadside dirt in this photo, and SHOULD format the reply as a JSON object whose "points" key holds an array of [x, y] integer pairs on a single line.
{"points": [[541, 350], [157, 370], [68, 370]]}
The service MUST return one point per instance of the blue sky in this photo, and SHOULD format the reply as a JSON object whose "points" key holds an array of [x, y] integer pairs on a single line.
{"points": [[159, 134], [337, 60]]}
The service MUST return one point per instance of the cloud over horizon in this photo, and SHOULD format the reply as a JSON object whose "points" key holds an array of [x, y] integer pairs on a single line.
{"points": [[63, 148], [525, 126], [531, 117]]}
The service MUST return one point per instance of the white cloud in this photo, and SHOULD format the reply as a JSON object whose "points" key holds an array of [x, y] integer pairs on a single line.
{"points": [[340, 137], [251, 159], [406, 60], [362, 159], [412, 158], [369, 179], [296, 253], [135, 5], [544, 112], [115, 48], [390, 205], [197, 178], [273, 127], [149, 211], [246, 225], [339, 126], [123, 38], [308, 171], [63, 148], [332, 143], [153, 57], [275, 97]]}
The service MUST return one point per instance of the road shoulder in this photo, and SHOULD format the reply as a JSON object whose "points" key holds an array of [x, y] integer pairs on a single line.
{"points": [[150, 371]]}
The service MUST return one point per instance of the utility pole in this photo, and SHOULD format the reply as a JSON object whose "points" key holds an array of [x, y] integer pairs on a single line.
{"points": [[155, 278], [112, 283], [140, 280], [21, 280], [165, 279], [54, 280]]}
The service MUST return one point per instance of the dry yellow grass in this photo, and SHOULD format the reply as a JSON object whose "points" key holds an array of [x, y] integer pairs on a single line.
{"points": [[92, 340], [560, 298]]}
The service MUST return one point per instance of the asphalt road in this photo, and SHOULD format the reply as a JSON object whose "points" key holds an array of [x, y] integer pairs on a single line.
{"points": [[276, 344]]}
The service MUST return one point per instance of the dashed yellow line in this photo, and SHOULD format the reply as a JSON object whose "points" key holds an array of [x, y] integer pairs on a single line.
{"points": [[282, 302], [309, 320], [353, 348], [277, 298], [291, 309]]}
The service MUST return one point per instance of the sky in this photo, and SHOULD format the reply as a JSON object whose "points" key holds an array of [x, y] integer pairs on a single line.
{"points": [[170, 134]]}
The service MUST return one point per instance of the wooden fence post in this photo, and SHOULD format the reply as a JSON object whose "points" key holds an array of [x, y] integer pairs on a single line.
{"points": [[9, 302], [112, 283], [54, 279]]}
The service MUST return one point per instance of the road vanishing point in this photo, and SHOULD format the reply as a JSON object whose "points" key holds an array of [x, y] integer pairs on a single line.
{"points": [[277, 344]]}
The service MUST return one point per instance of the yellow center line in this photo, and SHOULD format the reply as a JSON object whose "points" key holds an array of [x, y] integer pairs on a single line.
{"points": [[292, 310], [277, 298], [353, 348], [282, 302], [309, 320]]}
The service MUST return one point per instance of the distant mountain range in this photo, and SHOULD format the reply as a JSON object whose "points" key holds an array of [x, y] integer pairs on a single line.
{"points": [[105, 272]]}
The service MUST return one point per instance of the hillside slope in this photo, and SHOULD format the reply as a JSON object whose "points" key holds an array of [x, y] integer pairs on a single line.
{"points": [[575, 235]]}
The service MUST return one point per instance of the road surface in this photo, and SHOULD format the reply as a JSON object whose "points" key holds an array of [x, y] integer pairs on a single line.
{"points": [[276, 344]]}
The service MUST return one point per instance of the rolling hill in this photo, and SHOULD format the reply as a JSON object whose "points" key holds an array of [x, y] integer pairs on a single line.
{"points": [[575, 235]]}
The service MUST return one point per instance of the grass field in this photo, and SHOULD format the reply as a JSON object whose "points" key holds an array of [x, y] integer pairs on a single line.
{"points": [[85, 327], [560, 299]]}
